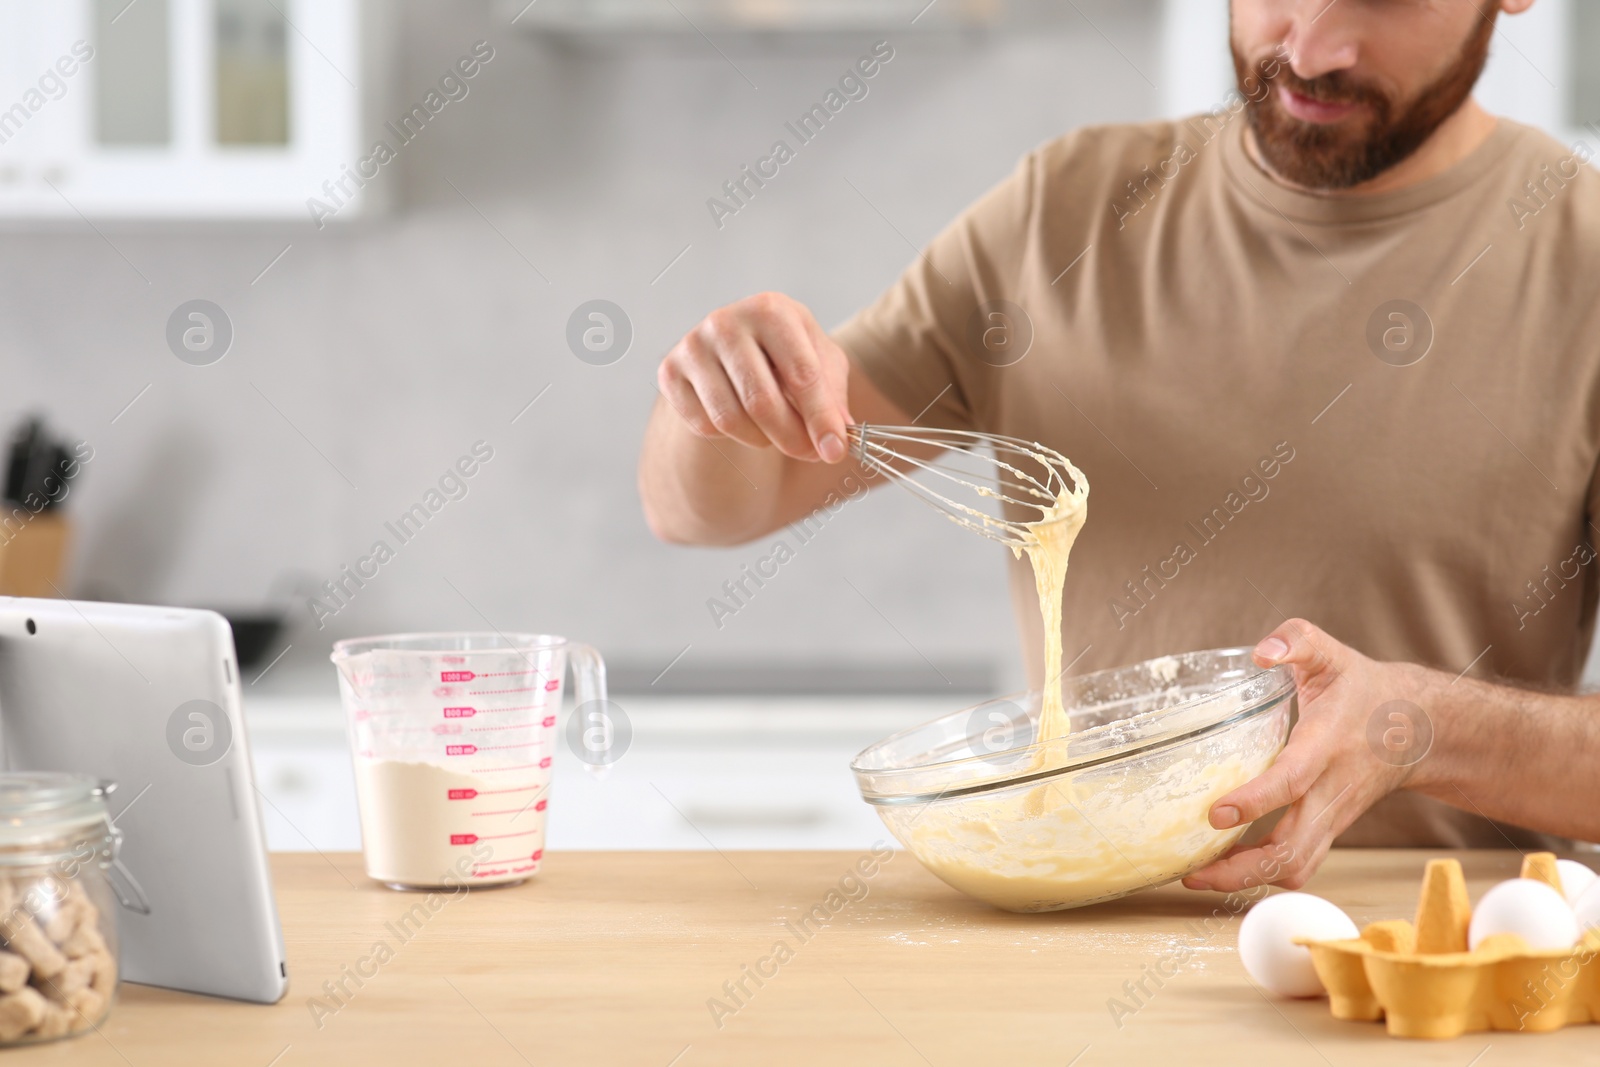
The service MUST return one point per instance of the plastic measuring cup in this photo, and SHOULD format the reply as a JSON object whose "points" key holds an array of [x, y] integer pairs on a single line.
{"points": [[452, 736]]}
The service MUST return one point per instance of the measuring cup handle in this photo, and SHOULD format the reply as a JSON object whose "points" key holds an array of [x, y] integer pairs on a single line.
{"points": [[588, 674]]}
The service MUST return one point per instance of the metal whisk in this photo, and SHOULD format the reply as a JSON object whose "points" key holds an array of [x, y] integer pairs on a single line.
{"points": [[1024, 477]]}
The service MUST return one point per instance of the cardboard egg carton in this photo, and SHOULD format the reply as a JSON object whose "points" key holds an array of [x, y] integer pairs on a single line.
{"points": [[1422, 980]]}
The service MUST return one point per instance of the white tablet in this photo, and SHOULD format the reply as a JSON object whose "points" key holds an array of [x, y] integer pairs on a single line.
{"points": [[148, 698]]}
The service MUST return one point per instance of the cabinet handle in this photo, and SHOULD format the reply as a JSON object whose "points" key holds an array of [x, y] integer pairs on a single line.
{"points": [[731, 817]]}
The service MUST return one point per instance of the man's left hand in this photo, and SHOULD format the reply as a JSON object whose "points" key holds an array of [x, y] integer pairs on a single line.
{"points": [[1327, 774]]}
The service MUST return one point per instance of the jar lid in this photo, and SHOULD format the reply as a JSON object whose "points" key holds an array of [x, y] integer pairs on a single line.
{"points": [[45, 806]]}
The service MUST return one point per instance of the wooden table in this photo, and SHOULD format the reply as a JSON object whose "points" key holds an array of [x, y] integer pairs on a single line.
{"points": [[611, 958]]}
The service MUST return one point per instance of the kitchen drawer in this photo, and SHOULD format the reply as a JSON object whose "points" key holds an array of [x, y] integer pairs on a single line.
{"points": [[718, 773], [308, 792], [713, 797]]}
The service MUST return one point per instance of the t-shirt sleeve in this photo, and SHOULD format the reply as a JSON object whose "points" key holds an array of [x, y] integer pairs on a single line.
{"points": [[935, 339]]}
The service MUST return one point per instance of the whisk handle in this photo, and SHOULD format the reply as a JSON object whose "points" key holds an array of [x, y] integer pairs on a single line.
{"points": [[857, 433]]}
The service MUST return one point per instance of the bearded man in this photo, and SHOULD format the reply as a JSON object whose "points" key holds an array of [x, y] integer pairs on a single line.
{"points": [[1330, 357]]}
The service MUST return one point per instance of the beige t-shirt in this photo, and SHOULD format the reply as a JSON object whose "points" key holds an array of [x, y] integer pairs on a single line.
{"points": [[1379, 413]]}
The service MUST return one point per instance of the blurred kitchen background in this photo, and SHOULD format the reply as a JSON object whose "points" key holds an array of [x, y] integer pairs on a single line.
{"points": [[355, 346]]}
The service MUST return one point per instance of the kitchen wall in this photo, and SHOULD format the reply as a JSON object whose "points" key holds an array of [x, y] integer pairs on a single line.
{"points": [[370, 355]]}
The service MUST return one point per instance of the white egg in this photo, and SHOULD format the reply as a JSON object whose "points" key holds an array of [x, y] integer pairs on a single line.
{"points": [[1575, 879], [1527, 907], [1587, 907], [1266, 941]]}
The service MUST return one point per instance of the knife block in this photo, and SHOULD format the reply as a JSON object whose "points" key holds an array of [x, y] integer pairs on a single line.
{"points": [[33, 551]]}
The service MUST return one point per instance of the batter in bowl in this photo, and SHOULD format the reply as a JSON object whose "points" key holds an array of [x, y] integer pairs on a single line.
{"points": [[1077, 840], [1089, 838]]}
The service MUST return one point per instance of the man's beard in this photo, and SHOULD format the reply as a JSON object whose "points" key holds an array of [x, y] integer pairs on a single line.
{"points": [[1340, 155]]}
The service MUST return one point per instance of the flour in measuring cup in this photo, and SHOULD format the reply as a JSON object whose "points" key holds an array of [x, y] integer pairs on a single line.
{"points": [[426, 825]]}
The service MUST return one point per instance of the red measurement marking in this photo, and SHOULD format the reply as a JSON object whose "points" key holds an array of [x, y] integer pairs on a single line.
{"points": [[511, 811], [460, 750], [460, 713], [513, 789], [452, 659], [519, 707], [456, 676], [538, 854], [499, 871], [463, 839], [513, 726], [552, 685], [545, 762], [496, 692], [493, 837], [549, 721], [463, 794], [518, 767], [491, 748]]}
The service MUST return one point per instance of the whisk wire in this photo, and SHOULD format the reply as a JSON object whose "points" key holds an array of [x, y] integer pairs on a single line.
{"points": [[980, 466]]}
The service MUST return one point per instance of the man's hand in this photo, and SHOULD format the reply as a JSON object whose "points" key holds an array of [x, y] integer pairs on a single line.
{"points": [[1327, 774], [762, 372], [752, 398]]}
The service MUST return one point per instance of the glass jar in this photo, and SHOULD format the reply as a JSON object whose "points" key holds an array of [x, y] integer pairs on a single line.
{"points": [[58, 937]]}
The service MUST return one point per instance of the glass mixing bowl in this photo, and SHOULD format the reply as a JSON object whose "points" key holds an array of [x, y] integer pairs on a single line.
{"points": [[1119, 805]]}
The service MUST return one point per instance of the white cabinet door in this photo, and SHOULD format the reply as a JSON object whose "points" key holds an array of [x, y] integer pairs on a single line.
{"points": [[700, 774], [719, 797], [180, 108], [307, 789]]}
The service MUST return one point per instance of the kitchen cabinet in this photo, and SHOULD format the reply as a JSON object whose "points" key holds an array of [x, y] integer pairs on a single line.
{"points": [[736, 16], [701, 772], [184, 108]]}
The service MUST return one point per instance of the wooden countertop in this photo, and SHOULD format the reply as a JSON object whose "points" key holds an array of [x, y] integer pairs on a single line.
{"points": [[611, 958]]}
